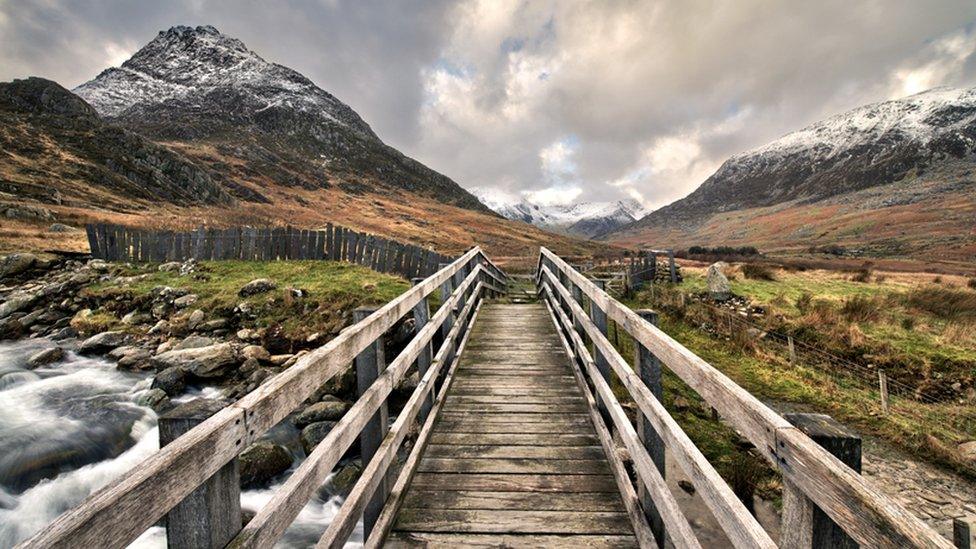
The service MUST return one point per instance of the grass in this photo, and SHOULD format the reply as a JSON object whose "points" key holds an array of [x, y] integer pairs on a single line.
{"points": [[333, 290]]}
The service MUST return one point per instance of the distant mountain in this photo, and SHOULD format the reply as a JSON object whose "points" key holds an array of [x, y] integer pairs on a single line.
{"points": [[585, 219], [265, 123], [917, 138], [54, 149]]}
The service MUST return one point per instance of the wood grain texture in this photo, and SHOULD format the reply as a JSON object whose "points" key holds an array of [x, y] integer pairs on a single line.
{"points": [[403, 540]]}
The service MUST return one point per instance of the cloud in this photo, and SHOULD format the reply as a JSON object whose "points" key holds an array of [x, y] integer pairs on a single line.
{"points": [[653, 95]]}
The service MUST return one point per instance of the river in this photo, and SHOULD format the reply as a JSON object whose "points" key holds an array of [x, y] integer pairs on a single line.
{"points": [[69, 428]]}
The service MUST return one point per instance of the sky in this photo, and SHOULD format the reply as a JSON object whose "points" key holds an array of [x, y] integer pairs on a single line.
{"points": [[556, 102]]}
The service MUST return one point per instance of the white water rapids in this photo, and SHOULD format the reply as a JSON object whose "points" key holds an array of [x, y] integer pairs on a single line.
{"points": [[69, 428]]}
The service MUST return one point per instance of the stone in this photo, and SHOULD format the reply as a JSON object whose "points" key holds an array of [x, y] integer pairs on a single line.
{"points": [[194, 342], [314, 433], [14, 264], [47, 356], [64, 333], [249, 365], [61, 228], [185, 301], [157, 399], [160, 327], [205, 362], [280, 360], [246, 334], [257, 377], [98, 265], [169, 266], [195, 319], [968, 451], [102, 342], [687, 486], [257, 286], [17, 303], [345, 478], [121, 351], [256, 352], [213, 325], [261, 462], [10, 328], [171, 380], [329, 409], [718, 285], [188, 266], [136, 317], [166, 345], [138, 359]]}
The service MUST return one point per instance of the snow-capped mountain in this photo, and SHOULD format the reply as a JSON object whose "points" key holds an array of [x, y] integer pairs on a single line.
{"points": [[587, 219], [866, 147], [201, 88]]}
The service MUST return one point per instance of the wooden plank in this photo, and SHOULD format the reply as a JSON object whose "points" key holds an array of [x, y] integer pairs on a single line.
{"points": [[511, 451], [515, 465], [506, 407], [516, 399], [515, 483], [514, 428], [513, 439], [578, 418], [528, 501], [431, 540], [504, 521]]}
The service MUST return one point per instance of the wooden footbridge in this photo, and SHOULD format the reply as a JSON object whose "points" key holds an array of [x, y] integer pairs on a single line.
{"points": [[512, 437]]}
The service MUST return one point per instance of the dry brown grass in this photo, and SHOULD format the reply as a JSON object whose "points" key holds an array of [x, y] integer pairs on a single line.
{"points": [[943, 302]]}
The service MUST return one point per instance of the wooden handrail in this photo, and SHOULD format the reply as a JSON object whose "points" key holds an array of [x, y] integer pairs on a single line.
{"points": [[274, 518], [118, 513], [866, 514]]}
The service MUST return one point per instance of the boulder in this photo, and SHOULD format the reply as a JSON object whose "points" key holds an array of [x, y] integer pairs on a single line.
{"points": [[345, 478], [16, 303], [313, 434], [249, 365], [329, 409], [195, 319], [61, 228], [213, 325], [718, 285], [14, 264], [137, 359], [261, 462], [98, 265], [185, 301], [10, 328], [136, 317], [157, 399], [47, 356], [246, 334], [257, 286], [968, 451], [194, 342], [169, 266], [102, 342], [64, 333], [160, 327], [211, 361], [172, 381], [256, 352]]}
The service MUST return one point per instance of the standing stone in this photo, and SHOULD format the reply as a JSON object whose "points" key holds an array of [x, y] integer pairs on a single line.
{"points": [[718, 285]]}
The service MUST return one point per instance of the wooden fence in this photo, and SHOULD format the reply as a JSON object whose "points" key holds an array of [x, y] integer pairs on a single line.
{"points": [[118, 243]]}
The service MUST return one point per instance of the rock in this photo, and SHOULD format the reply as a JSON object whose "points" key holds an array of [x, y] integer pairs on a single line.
{"points": [[195, 319], [345, 478], [169, 266], [256, 352], [160, 327], [98, 265], [261, 462], [64, 333], [718, 285], [194, 342], [681, 404], [121, 351], [136, 317], [211, 361], [157, 399], [687, 486], [256, 378], [213, 325], [61, 228], [185, 301], [280, 360], [171, 380], [102, 342], [166, 345], [967, 450], [247, 334], [257, 286], [329, 409], [313, 434], [249, 365], [188, 266], [138, 359], [10, 328], [14, 264], [47, 356], [17, 302]]}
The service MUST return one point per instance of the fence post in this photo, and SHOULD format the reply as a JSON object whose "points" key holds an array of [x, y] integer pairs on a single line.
{"points": [[369, 365], [804, 525], [883, 388], [599, 318], [964, 532], [211, 515], [421, 316], [789, 343], [649, 369], [674, 271]]}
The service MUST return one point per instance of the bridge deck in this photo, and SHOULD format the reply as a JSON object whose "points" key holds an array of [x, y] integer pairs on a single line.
{"points": [[513, 459]]}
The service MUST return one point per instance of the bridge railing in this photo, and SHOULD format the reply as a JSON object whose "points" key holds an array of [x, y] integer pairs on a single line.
{"points": [[868, 516], [117, 514]]}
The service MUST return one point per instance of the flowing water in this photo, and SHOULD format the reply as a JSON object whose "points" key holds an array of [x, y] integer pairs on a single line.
{"points": [[69, 428]]}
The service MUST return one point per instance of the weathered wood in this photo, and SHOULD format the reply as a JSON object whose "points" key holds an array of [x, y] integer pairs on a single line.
{"points": [[211, 515], [529, 501], [370, 363], [804, 524], [515, 465], [964, 532], [870, 517], [515, 483], [421, 316], [517, 521], [434, 540], [883, 390], [545, 439], [649, 369]]}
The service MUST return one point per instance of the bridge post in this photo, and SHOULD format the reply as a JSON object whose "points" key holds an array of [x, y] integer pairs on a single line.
{"points": [[805, 526], [421, 316], [964, 532], [211, 515], [649, 369], [599, 318], [447, 288], [370, 363]]}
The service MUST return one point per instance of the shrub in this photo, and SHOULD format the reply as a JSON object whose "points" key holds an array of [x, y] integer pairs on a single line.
{"points": [[943, 302], [757, 271], [908, 323], [863, 275], [937, 280], [861, 308], [803, 302], [971, 282]]}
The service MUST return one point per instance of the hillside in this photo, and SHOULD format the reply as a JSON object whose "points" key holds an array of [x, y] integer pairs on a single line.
{"points": [[582, 219], [197, 129], [893, 179]]}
